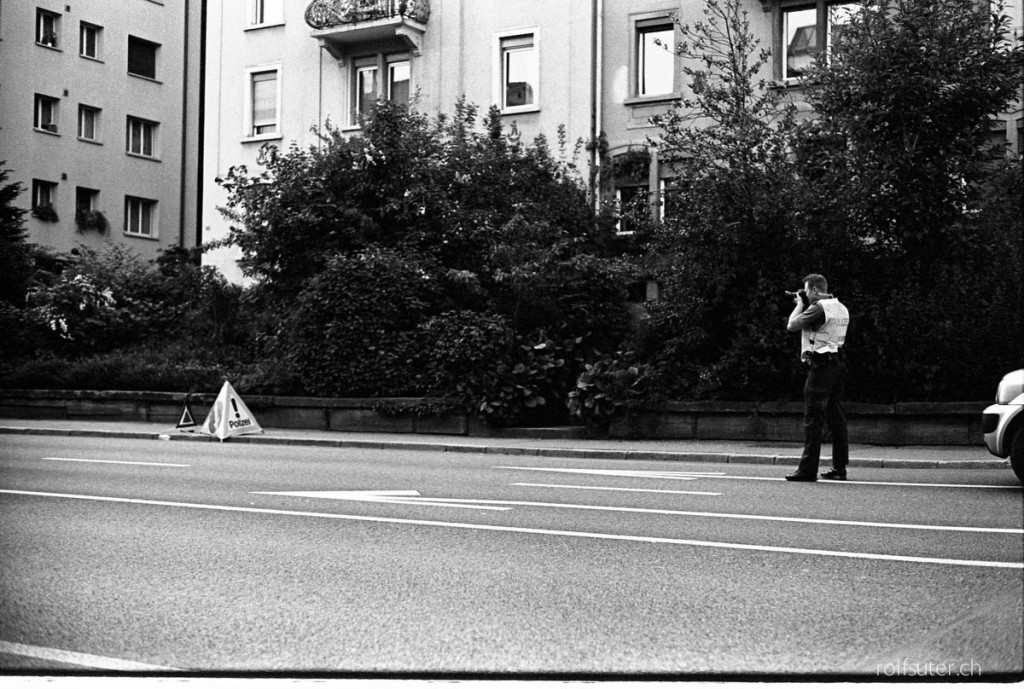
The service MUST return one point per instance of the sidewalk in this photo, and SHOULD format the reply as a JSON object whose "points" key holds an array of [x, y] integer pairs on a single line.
{"points": [[716, 451]]}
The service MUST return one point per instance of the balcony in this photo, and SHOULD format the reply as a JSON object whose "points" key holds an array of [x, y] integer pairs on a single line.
{"points": [[342, 25]]}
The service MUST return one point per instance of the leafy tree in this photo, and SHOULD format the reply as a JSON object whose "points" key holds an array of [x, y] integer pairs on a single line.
{"points": [[15, 257], [728, 244], [902, 165], [380, 242]]}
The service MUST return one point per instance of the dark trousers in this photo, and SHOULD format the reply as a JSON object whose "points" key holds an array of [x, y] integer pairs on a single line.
{"points": [[823, 401]]}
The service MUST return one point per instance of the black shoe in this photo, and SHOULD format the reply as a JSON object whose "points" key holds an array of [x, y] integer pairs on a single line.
{"points": [[798, 476], [834, 475]]}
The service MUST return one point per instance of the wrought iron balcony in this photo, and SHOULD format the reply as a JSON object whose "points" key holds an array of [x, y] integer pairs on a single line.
{"points": [[343, 25], [326, 14]]}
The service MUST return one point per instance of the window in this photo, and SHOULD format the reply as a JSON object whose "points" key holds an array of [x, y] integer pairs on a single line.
{"points": [[47, 28], [142, 57], [141, 137], [139, 216], [264, 103], [800, 33], [519, 75], [264, 12], [655, 59], [89, 40], [368, 86], [44, 200], [85, 199], [632, 202], [366, 89], [88, 123], [399, 75], [263, 112], [46, 112]]}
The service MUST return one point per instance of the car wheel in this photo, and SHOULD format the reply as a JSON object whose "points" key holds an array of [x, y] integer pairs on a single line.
{"points": [[1017, 454]]}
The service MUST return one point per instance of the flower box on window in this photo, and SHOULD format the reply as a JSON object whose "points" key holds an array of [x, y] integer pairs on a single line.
{"points": [[90, 220], [45, 213]]}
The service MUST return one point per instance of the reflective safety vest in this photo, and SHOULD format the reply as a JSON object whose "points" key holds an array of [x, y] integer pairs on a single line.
{"points": [[831, 335]]}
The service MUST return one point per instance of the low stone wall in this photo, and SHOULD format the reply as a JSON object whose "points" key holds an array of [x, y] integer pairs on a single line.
{"points": [[952, 423], [957, 423]]}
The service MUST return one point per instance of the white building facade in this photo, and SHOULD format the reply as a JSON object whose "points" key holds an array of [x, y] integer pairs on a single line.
{"points": [[99, 120], [278, 68]]}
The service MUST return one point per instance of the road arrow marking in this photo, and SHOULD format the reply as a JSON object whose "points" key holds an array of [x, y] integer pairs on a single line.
{"points": [[391, 497], [111, 461]]}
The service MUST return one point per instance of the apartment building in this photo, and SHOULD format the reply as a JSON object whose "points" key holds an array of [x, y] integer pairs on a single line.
{"points": [[277, 68], [100, 120]]}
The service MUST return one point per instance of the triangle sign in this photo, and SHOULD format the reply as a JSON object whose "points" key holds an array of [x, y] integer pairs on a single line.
{"points": [[229, 416], [186, 420]]}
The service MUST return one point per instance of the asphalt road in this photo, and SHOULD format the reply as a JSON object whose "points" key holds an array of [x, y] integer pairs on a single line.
{"points": [[147, 556]]}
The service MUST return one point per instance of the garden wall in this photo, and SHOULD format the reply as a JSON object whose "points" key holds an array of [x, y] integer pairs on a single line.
{"points": [[902, 424]]}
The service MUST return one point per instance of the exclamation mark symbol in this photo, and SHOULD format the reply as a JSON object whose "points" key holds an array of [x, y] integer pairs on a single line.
{"points": [[235, 407]]}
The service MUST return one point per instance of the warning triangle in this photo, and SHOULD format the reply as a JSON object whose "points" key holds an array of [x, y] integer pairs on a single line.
{"points": [[186, 420], [229, 416]]}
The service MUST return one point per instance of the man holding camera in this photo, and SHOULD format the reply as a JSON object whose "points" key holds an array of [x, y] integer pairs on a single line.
{"points": [[822, 322]]}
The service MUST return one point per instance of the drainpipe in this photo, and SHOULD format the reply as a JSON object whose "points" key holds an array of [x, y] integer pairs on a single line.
{"points": [[184, 133], [596, 86]]}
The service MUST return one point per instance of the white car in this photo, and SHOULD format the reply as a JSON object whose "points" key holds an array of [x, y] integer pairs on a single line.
{"points": [[1003, 422]]}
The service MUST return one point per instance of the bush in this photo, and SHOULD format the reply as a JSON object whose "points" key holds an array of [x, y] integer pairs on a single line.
{"points": [[354, 325], [607, 387]]}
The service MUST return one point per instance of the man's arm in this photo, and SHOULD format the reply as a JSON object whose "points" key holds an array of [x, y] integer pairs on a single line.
{"points": [[811, 318]]}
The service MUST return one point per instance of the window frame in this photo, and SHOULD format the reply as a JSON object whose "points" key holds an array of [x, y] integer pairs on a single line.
{"points": [[504, 46], [137, 41], [249, 123], [97, 31], [381, 65], [823, 26], [42, 34], [39, 123], [44, 211], [147, 215], [149, 127], [641, 26], [264, 13], [84, 109]]}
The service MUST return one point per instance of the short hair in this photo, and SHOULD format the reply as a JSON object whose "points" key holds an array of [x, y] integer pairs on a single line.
{"points": [[817, 281]]}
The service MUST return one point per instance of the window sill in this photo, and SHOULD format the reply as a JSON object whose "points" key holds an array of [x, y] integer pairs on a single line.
{"points": [[521, 109], [90, 58], [143, 77], [46, 131], [94, 142], [49, 47], [152, 159], [268, 25], [134, 235], [652, 100], [262, 138]]}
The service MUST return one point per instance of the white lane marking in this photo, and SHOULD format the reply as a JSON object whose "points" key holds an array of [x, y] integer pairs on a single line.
{"points": [[544, 532], [112, 461], [413, 499], [624, 490], [688, 476], [80, 659], [391, 497]]}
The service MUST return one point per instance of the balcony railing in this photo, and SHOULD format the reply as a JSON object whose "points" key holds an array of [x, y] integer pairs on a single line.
{"points": [[325, 14]]}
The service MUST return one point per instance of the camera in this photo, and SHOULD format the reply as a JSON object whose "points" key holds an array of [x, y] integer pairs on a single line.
{"points": [[803, 296]]}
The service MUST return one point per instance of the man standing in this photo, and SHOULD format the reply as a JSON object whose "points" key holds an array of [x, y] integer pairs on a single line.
{"points": [[822, 322]]}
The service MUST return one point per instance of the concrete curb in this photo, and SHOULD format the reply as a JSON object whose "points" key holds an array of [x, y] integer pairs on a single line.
{"points": [[702, 457]]}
